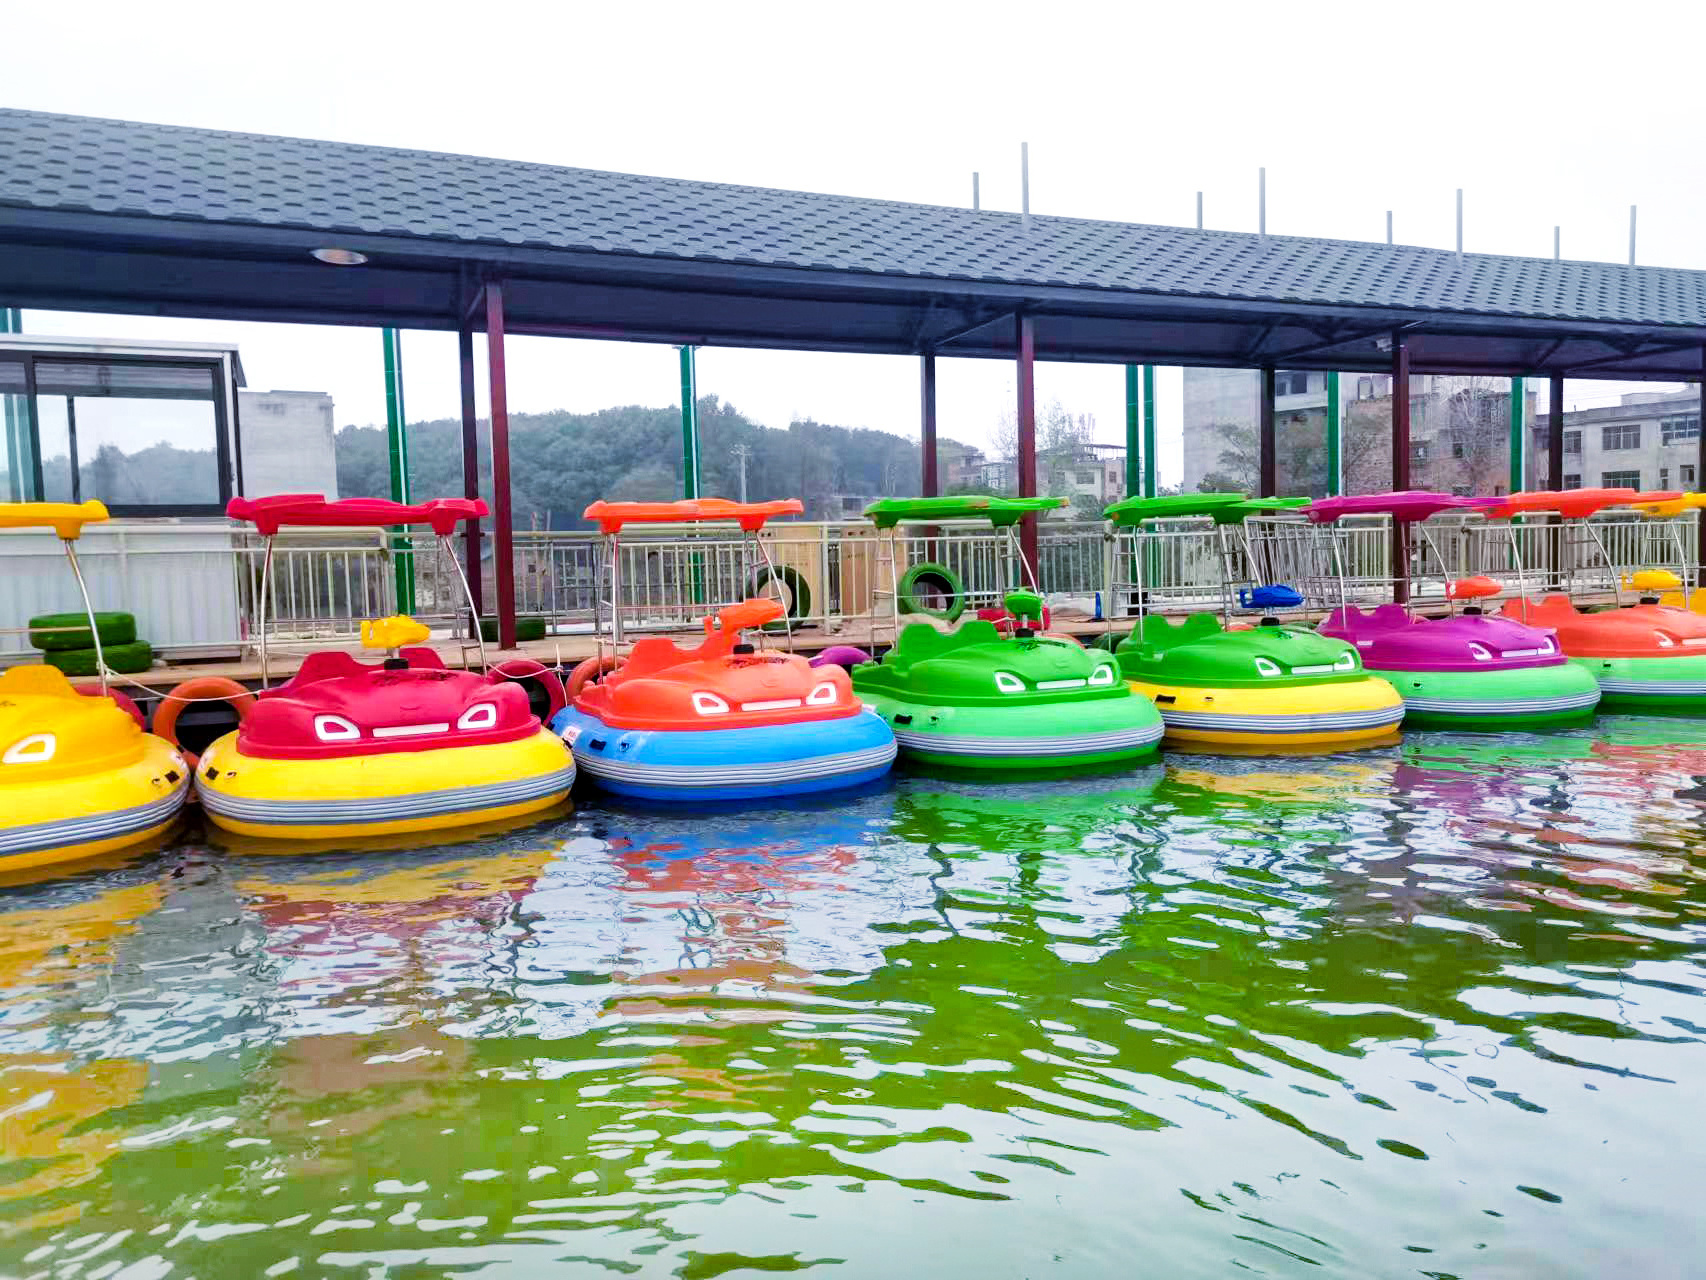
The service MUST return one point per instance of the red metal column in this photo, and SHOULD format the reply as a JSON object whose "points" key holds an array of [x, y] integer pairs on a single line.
{"points": [[1266, 445], [1027, 431], [1400, 462], [1555, 474], [470, 456], [503, 539], [927, 445], [1700, 453]]}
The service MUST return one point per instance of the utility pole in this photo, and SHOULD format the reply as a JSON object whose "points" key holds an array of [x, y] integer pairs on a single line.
{"points": [[742, 452]]}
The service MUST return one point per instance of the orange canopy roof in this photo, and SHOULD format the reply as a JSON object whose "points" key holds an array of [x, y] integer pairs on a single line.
{"points": [[1572, 504], [611, 516]]}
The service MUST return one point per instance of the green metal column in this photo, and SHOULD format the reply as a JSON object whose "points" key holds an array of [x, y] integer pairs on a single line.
{"points": [[1149, 431], [1335, 460], [1133, 431], [397, 436], [689, 426], [1519, 436]]}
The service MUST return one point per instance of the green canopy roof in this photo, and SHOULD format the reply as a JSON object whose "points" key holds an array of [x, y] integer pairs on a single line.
{"points": [[886, 513]]}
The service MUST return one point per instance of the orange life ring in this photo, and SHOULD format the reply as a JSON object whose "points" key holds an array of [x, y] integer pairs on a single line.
{"points": [[522, 669], [588, 671], [200, 689], [125, 702]]}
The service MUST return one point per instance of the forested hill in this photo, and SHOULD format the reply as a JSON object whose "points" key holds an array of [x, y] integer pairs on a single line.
{"points": [[560, 462]]}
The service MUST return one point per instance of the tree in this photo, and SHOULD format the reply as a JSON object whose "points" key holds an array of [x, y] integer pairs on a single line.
{"points": [[1239, 467]]}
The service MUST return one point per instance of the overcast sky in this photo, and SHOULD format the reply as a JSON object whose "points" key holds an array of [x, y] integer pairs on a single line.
{"points": [[1558, 114]]}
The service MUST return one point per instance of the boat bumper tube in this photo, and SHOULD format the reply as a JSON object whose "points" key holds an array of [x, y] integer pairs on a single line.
{"points": [[381, 794], [1511, 698], [751, 763], [1663, 684], [1341, 713], [65, 819], [1022, 738]]}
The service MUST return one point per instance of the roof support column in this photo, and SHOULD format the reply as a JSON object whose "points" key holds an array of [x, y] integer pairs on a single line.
{"points": [[1555, 473], [397, 437], [470, 460], [1267, 464], [503, 530], [689, 425], [1026, 337], [1400, 463], [930, 483], [1700, 455], [1149, 431], [1519, 436], [1335, 429], [1133, 430], [16, 414]]}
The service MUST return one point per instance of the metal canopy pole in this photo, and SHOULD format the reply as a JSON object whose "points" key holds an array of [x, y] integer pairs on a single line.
{"points": [[1519, 438], [1134, 453], [1335, 448], [1026, 337], [1149, 431], [503, 531], [17, 423], [1554, 469], [1400, 462], [470, 465], [930, 481], [1267, 482], [689, 425], [397, 437]]}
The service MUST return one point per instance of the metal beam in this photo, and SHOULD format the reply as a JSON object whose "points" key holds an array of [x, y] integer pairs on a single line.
{"points": [[1519, 437], [1335, 458], [503, 526], [1635, 353], [931, 481], [1282, 358], [1267, 451], [470, 460], [1025, 338], [1555, 433], [954, 335]]}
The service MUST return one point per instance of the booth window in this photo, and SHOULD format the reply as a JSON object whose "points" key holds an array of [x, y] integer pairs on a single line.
{"points": [[147, 437]]}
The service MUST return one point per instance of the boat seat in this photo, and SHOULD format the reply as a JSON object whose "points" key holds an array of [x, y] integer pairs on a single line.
{"points": [[35, 681], [1478, 587], [920, 641], [325, 664], [1651, 580], [1273, 596]]}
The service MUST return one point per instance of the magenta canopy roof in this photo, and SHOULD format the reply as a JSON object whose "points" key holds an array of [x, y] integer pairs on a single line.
{"points": [[1407, 504], [311, 510]]}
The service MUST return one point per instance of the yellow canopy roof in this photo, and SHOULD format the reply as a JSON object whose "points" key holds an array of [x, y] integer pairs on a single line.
{"points": [[65, 518]]}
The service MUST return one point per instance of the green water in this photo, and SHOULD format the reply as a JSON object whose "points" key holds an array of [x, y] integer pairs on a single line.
{"points": [[1424, 1011]]}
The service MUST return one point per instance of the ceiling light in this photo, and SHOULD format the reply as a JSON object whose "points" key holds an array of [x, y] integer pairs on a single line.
{"points": [[340, 257]]}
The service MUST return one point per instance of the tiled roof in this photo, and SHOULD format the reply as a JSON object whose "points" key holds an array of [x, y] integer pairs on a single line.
{"points": [[159, 171]]}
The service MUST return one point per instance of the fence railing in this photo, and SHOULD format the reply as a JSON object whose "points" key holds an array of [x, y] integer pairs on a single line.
{"points": [[195, 587]]}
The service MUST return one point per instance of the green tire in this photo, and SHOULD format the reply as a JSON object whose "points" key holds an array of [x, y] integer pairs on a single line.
{"points": [[113, 629], [525, 629], [126, 658], [928, 578], [790, 580]]}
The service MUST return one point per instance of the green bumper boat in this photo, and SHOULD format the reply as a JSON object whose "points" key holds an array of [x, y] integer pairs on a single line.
{"points": [[996, 694]]}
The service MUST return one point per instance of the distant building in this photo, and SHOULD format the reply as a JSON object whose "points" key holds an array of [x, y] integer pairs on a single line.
{"points": [[1651, 440], [1091, 475], [959, 466], [289, 442], [1459, 431]]}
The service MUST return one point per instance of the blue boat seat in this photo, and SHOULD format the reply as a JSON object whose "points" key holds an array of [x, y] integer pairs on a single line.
{"points": [[1274, 596]]}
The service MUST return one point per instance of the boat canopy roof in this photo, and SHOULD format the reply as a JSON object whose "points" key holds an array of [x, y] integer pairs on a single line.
{"points": [[611, 516], [65, 518], [1222, 508], [1572, 504], [1404, 505], [312, 511], [886, 513], [1649, 504]]}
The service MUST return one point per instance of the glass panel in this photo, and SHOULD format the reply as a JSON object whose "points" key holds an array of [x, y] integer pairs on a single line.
{"points": [[1221, 450], [145, 434]]}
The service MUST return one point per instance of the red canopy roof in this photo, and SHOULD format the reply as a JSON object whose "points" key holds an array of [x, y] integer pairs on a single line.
{"points": [[611, 516], [311, 510]]}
